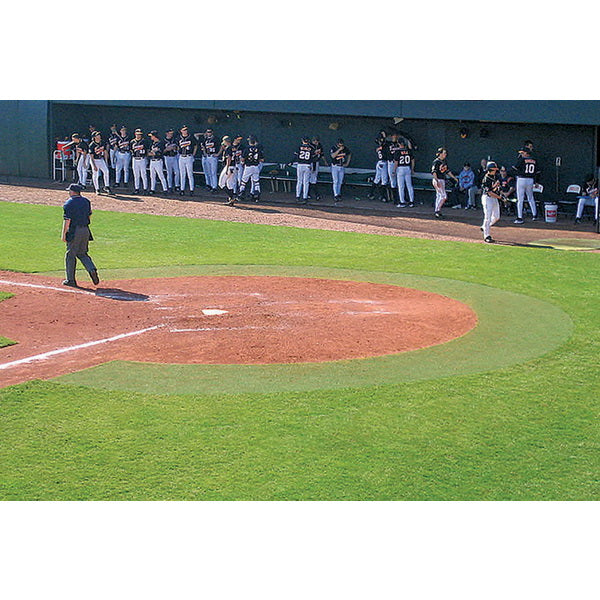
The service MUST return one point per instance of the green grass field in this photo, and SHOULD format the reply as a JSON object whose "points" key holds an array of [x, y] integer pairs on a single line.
{"points": [[526, 430]]}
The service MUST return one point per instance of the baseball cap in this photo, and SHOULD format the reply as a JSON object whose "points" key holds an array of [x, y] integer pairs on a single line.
{"points": [[239, 136], [491, 165], [95, 133], [170, 130], [183, 127], [251, 139], [154, 133], [122, 127], [74, 187], [525, 149], [138, 131], [75, 135]]}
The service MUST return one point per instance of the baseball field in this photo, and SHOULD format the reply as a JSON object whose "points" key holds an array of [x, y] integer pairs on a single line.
{"points": [[239, 361]]}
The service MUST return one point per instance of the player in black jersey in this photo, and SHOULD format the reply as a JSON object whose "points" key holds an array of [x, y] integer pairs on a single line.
{"points": [[340, 159], [156, 154], [82, 158], [304, 162], [113, 141], [252, 157], [318, 156], [99, 162], [527, 171], [439, 171], [139, 151], [123, 155], [490, 195], [171, 156], [381, 178], [209, 146], [405, 164]]}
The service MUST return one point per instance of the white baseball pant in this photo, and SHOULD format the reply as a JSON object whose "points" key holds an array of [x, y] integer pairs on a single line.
{"points": [[113, 158], [186, 170], [525, 188], [337, 174], [156, 168], [101, 166], [210, 165], [252, 173], [139, 172], [172, 167], [404, 176], [239, 172], [83, 163], [587, 201], [391, 168], [123, 162], [381, 172], [302, 180], [229, 177], [314, 172], [491, 213], [440, 193]]}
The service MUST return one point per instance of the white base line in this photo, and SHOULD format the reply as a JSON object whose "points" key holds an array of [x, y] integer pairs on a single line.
{"points": [[45, 287], [46, 355]]}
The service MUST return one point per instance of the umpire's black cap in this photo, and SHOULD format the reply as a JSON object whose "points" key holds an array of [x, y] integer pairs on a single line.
{"points": [[74, 187]]}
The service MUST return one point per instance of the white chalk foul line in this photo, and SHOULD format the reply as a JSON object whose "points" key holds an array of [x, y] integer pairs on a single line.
{"points": [[45, 287], [45, 355]]}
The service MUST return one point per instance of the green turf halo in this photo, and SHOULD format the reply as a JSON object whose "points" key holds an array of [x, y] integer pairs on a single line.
{"points": [[512, 328], [568, 244]]}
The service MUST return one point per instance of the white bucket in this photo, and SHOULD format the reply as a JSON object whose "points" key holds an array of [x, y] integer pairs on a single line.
{"points": [[551, 211]]}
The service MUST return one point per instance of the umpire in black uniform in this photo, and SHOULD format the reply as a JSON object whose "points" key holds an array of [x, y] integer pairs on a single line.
{"points": [[76, 233]]}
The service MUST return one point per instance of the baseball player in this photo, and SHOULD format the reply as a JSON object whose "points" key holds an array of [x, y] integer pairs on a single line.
{"points": [[123, 156], [187, 151], [113, 144], [340, 159], [440, 170], [139, 150], [156, 154], [210, 162], [392, 147], [76, 234], [490, 194], [589, 197], [99, 162], [405, 166], [304, 158], [319, 155], [238, 150], [82, 158], [252, 157], [228, 177], [171, 154], [526, 170], [381, 171]]}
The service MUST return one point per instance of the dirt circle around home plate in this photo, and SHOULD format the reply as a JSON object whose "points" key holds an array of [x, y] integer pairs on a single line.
{"points": [[241, 320]]}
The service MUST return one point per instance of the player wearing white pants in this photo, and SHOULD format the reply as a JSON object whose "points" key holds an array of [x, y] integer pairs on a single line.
{"points": [[526, 171], [340, 158], [187, 151], [525, 190], [252, 158], [83, 164], [304, 156], [318, 156], [391, 153], [186, 172], [156, 162], [439, 171], [210, 162], [381, 173], [404, 167], [171, 159], [113, 141], [98, 161], [490, 187], [589, 198], [140, 167], [123, 157]]}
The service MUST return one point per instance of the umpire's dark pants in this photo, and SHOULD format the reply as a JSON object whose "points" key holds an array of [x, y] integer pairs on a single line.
{"points": [[77, 248]]}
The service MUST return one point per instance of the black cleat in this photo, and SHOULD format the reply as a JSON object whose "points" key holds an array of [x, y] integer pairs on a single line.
{"points": [[70, 283], [439, 215], [94, 277], [488, 240]]}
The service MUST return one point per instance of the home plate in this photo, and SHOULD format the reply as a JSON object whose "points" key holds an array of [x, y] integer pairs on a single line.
{"points": [[209, 312]]}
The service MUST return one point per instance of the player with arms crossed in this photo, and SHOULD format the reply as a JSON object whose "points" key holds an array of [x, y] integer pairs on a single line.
{"points": [[340, 159], [440, 170]]}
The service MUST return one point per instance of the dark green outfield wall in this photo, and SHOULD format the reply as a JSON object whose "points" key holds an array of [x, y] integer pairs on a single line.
{"points": [[575, 144], [28, 128], [24, 138]]}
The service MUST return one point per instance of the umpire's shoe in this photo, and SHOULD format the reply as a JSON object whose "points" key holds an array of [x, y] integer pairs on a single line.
{"points": [[70, 283], [94, 277]]}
